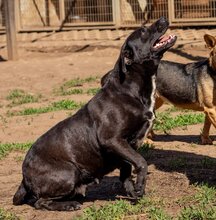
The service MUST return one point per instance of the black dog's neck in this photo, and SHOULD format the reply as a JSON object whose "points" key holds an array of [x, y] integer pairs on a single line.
{"points": [[146, 68], [135, 81]]}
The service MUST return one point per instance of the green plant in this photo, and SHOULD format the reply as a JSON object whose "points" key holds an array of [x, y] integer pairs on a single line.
{"points": [[19, 97], [79, 82], [55, 106], [110, 211], [68, 87], [5, 215], [64, 92], [156, 213], [202, 205], [66, 105], [70, 92], [92, 91], [205, 195], [19, 158], [198, 213], [8, 147], [176, 109], [165, 122], [146, 150], [122, 209]]}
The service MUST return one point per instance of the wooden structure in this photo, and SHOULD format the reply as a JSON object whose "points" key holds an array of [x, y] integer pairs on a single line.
{"points": [[10, 22]]}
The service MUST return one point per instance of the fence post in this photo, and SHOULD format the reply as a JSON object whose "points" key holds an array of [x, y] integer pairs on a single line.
{"points": [[10, 22], [61, 10], [116, 6], [171, 11]]}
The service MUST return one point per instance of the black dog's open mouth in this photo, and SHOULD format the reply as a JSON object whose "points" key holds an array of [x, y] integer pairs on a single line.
{"points": [[164, 42]]}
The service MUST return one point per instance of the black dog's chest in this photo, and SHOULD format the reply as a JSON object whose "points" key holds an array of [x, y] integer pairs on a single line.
{"points": [[142, 128]]}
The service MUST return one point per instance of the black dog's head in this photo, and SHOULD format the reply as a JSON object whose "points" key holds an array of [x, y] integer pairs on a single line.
{"points": [[146, 43]]}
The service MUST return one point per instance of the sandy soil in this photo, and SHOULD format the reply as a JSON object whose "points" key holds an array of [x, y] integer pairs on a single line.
{"points": [[42, 72]]}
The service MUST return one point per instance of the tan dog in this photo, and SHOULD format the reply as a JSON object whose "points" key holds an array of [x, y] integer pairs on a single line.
{"points": [[191, 86]]}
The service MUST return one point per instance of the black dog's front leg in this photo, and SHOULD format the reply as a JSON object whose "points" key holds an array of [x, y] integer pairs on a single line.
{"points": [[127, 153], [126, 179]]}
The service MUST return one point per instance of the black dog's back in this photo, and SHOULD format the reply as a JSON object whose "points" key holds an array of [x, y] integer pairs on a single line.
{"points": [[177, 82]]}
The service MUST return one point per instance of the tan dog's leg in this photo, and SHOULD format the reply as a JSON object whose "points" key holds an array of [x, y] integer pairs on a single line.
{"points": [[158, 102], [205, 139], [211, 113]]}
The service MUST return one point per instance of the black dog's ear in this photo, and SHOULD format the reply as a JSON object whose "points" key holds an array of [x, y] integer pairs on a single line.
{"points": [[126, 57], [122, 63]]}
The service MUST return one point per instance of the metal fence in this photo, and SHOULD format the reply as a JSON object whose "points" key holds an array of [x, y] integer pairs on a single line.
{"points": [[179, 12], [50, 14], [64, 13], [88, 11]]}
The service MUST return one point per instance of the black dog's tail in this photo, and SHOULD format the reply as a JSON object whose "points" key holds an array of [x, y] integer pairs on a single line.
{"points": [[19, 197]]}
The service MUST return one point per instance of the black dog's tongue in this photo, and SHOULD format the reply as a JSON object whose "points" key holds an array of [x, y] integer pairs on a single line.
{"points": [[163, 40]]}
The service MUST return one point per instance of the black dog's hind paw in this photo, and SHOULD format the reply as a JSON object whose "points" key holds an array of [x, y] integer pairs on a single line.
{"points": [[72, 206], [54, 205]]}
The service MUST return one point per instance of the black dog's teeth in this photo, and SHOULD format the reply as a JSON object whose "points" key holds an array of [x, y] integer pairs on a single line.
{"points": [[161, 42]]}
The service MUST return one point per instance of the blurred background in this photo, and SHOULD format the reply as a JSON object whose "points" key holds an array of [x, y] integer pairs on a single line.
{"points": [[55, 14]]}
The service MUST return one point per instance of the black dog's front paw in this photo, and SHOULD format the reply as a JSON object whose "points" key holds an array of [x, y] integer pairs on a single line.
{"points": [[133, 190], [129, 188], [139, 190]]}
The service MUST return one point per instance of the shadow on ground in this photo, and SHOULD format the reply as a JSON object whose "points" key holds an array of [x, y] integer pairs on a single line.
{"points": [[198, 169], [181, 138]]}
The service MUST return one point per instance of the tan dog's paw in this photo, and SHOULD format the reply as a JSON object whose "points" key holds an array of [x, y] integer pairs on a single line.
{"points": [[148, 141], [151, 135], [206, 140]]}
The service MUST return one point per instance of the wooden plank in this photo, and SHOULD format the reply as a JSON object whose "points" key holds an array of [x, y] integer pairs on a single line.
{"points": [[61, 10], [10, 22], [116, 6]]}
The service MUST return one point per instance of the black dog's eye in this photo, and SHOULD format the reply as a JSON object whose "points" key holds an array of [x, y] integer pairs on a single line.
{"points": [[143, 30]]}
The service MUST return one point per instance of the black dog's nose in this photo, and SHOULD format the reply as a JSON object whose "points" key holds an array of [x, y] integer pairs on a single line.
{"points": [[161, 23], [163, 19]]}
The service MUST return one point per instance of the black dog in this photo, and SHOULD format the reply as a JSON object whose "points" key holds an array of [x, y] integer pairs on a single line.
{"points": [[101, 136]]}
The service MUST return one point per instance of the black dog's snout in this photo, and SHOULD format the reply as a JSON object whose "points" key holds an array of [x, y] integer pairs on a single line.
{"points": [[163, 20], [161, 24]]}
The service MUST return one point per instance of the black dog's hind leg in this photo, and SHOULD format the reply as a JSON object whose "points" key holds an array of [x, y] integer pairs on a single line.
{"points": [[55, 205]]}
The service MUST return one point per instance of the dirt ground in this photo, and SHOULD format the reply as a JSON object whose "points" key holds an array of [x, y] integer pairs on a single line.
{"points": [[40, 72]]}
